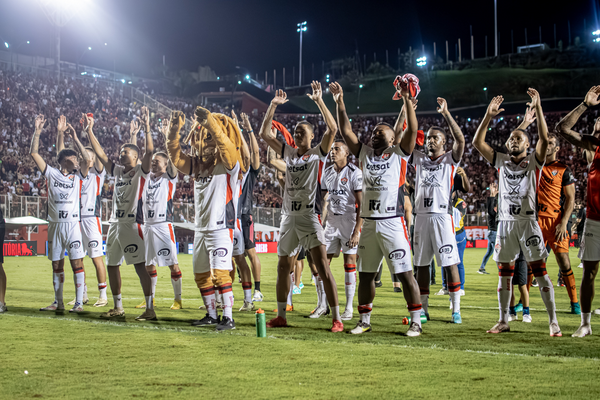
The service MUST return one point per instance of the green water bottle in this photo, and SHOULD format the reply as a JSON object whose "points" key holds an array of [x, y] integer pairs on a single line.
{"points": [[261, 323], [406, 320]]}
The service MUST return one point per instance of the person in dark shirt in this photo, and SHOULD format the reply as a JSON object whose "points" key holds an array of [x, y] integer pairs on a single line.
{"points": [[492, 211], [2, 273]]}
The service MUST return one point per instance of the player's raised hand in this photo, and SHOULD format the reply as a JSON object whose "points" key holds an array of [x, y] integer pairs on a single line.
{"points": [[493, 189], [246, 122], [177, 121], [337, 91], [71, 131], [235, 118], [62, 124], [317, 93], [443, 108], [164, 127], [529, 115], [494, 108], [280, 98], [414, 103], [145, 116], [592, 97], [535, 98], [134, 128], [40, 121]]}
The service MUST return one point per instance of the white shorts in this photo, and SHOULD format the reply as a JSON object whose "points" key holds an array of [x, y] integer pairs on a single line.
{"points": [[299, 229], [125, 241], [64, 236], [338, 231], [91, 232], [238, 239], [161, 249], [384, 238], [434, 236], [514, 236], [590, 241], [212, 250]]}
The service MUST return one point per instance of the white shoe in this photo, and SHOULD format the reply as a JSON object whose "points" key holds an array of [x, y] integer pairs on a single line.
{"points": [[513, 317], [3, 308], [85, 301], [248, 306], [580, 265], [347, 315], [442, 292], [555, 330], [414, 330], [77, 308], [596, 311], [54, 307], [461, 292], [101, 303], [319, 312], [527, 318], [72, 302], [258, 296], [584, 330], [361, 327]]}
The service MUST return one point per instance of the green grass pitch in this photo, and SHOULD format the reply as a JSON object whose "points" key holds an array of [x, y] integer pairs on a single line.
{"points": [[84, 357]]}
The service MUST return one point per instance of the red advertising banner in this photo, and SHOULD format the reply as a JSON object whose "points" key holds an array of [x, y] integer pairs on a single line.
{"points": [[20, 248]]}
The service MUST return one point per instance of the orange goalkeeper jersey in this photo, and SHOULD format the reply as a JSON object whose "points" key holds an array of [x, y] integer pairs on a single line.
{"points": [[555, 176]]}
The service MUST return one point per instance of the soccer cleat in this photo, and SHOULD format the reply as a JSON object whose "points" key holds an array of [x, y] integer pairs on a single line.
{"points": [[288, 308], [560, 282], [113, 312], [482, 272], [378, 284], [361, 327], [148, 315], [513, 317], [85, 301], [575, 309], [319, 312], [596, 311], [584, 330], [535, 283], [248, 306], [258, 296], [225, 324], [337, 326], [580, 265], [414, 330], [347, 314], [301, 285], [500, 327], [456, 318], [277, 322], [3, 308], [527, 318], [461, 292], [54, 307], [206, 321], [442, 292], [519, 308], [397, 289], [101, 303], [143, 304], [425, 314], [296, 290], [77, 308], [555, 330], [177, 305]]}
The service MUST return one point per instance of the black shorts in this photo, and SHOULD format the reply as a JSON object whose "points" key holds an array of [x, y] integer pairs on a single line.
{"points": [[248, 231], [301, 254], [520, 277], [2, 227]]}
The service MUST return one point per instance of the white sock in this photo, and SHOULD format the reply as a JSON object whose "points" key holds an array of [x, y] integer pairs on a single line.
{"points": [[227, 302], [102, 290], [154, 279], [504, 293], [350, 287], [79, 279], [85, 290], [59, 279], [281, 305], [425, 302], [547, 292], [455, 299], [209, 299], [176, 282], [247, 286], [290, 293], [118, 301], [586, 318], [323, 297], [365, 313], [218, 296], [316, 279], [149, 303], [415, 316], [335, 313]]}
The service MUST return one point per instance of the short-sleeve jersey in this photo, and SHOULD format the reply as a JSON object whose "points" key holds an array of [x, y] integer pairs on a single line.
{"points": [[517, 187], [64, 192], [341, 187], [215, 193], [127, 194], [158, 199], [302, 194], [434, 180], [555, 176], [91, 193], [248, 184], [384, 179], [593, 188]]}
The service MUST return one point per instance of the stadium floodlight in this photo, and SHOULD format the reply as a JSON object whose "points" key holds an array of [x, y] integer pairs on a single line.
{"points": [[89, 48], [28, 42], [596, 33], [360, 86], [301, 28], [218, 78], [123, 80], [422, 61], [327, 78], [106, 44], [6, 44], [248, 77], [485, 89], [239, 82]]}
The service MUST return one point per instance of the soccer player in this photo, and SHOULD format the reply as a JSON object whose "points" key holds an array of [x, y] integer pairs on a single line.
{"points": [[492, 221], [2, 273], [64, 233], [343, 182], [214, 164], [518, 229], [300, 222], [91, 209], [125, 239], [434, 228], [384, 232], [589, 251]]}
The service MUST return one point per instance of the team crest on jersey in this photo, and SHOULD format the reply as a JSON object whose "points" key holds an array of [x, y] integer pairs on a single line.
{"points": [[554, 173], [344, 180], [131, 174], [385, 156], [305, 157], [71, 177], [524, 164]]}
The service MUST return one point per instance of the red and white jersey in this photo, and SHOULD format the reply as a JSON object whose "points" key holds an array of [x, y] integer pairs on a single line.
{"points": [[433, 183], [384, 177], [64, 192], [593, 187], [341, 187], [127, 206], [91, 193], [158, 198], [215, 195], [302, 194], [517, 187]]}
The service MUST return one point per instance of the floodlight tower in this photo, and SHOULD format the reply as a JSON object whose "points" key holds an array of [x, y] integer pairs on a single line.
{"points": [[301, 28], [59, 13]]}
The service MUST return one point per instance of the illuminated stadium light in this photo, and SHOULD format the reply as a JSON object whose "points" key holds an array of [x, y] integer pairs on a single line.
{"points": [[597, 40], [239, 82], [84, 73], [89, 48], [360, 86], [596, 33], [248, 77], [130, 82], [327, 77], [218, 78], [484, 89], [6, 44], [301, 27], [422, 61], [123, 80], [28, 42]]}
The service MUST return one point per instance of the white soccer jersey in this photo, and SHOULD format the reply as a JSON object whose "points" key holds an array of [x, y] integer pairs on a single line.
{"points": [[384, 177], [91, 192], [302, 193], [341, 187], [158, 199], [215, 194], [64, 193], [433, 183], [517, 187], [127, 195]]}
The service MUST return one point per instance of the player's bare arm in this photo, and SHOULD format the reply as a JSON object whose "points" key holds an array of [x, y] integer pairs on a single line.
{"points": [[408, 213], [253, 143], [245, 149], [479, 139], [565, 125], [40, 121], [84, 167], [561, 230], [344, 122], [400, 121], [149, 145], [180, 160], [465, 179], [359, 221], [325, 214], [100, 154], [134, 128], [458, 148], [329, 136], [542, 144], [61, 127], [265, 130], [528, 118], [408, 138], [164, 129], [275, 161]]}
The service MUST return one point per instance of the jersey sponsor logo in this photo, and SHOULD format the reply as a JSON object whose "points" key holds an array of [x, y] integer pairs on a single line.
{"points": [[296, 205], [220, 252], [428, 202], [514, 209], [378, 167], [63, 185], [514, 189], [589, 234], [296, 181], [132, 248], [374, 205], [123, 183], [75, 245], [64, 196], [150, 213], [164, 252], [93, 244], [338, 192], [121, 197], [204, 179], [433, 169], [397, 254], [293, 168], [447, 249], [431, 181], [514, 177], [120, 213], [63, 214], [534, 240], [344, 181], [336, 202]]}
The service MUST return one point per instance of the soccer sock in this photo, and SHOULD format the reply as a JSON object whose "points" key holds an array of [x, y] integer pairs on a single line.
{"points": [[546, 290], [209, 299], [335, 313], [586, 318], [512, 310], [525, 310], [118, 301], [176, 282], [316, 279], [350, 288], [154, 279], [365, 313], [218, 296], [323, 297], [454, 289], [257, 285], [425, 298], [149, 302], [227, 294], [415, 312], [569, 280], [247, 286], [291, 292], [84, 290], [281, 305], [58, 278], [79, 278], [505, 286], [102, 290]]}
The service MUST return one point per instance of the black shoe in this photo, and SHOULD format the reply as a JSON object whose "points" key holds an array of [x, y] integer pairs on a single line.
{"points": [[483, 272], [397, 289], [206, 321], [226, 324], [378, 284]]}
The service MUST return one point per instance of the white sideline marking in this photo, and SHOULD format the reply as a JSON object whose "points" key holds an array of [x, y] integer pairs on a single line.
{"points": [[432, 347]]}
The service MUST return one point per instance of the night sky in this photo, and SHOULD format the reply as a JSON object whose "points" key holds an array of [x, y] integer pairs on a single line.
{"points": [[261, 35]]}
